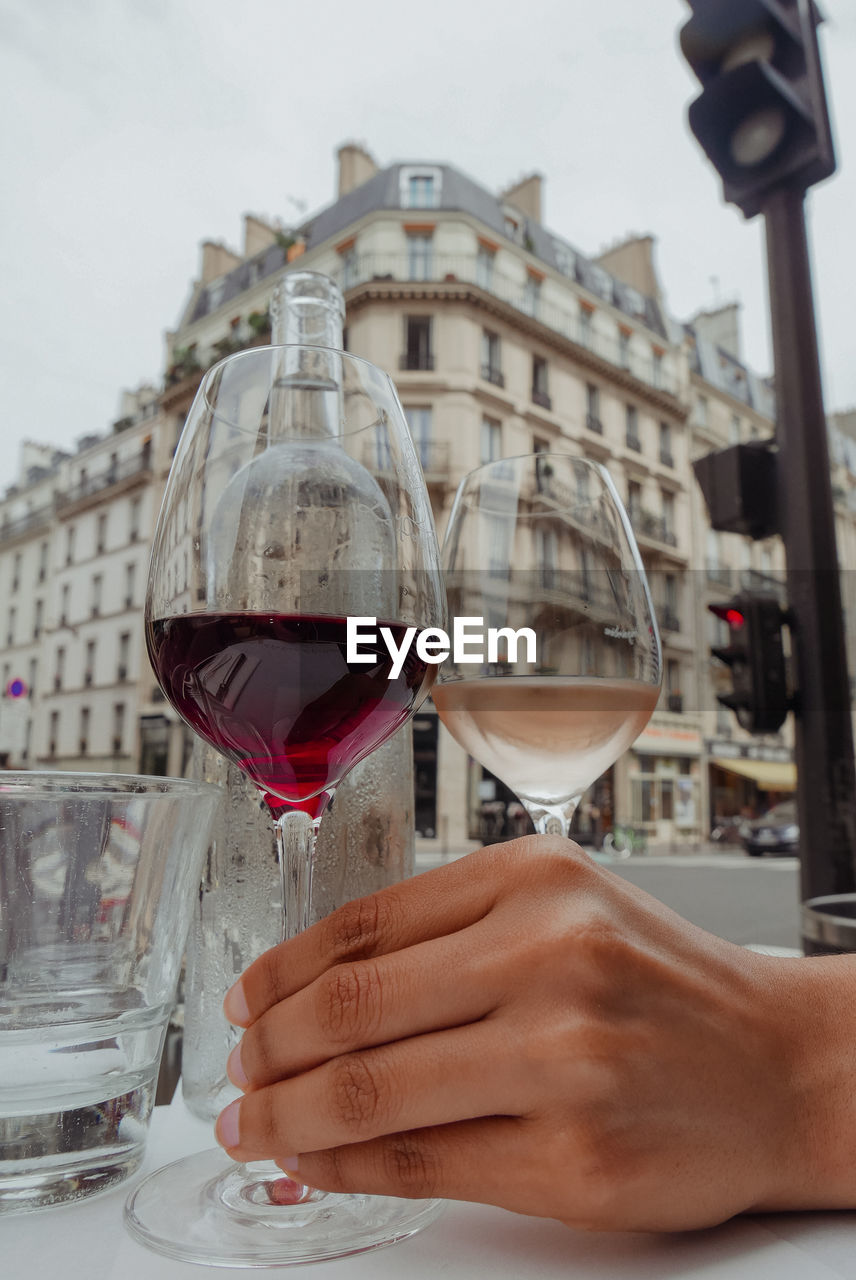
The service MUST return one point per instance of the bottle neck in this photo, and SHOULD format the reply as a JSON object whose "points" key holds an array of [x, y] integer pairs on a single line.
{"points": [[307, 316]]}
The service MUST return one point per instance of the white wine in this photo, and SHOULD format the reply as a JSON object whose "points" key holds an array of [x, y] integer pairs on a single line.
{"points": [[547, 738]]}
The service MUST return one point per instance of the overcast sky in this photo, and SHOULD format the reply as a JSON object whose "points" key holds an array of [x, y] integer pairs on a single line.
{"points": [[134, 129]]}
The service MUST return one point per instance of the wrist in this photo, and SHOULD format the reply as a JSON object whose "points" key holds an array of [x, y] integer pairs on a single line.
{"points": [[815, 1002]]}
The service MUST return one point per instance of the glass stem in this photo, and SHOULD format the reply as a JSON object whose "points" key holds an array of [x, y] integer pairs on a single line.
{"points": [[554, 819], [296, 835]]}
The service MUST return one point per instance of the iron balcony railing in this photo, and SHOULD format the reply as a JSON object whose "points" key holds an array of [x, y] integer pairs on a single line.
{"points": [[94, 484], [368, 267], [24, 524]]}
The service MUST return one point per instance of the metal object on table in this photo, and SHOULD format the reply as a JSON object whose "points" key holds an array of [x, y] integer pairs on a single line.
{"points": [[829, 924]]}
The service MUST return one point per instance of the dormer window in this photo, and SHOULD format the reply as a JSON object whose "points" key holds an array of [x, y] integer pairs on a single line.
{"points": [[420, 187]]}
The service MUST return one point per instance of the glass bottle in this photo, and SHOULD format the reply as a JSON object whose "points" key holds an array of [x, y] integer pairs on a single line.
{"points": [[367, 837]]}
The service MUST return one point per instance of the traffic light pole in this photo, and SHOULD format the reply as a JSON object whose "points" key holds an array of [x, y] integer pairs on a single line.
{"points": [[826, 795]]}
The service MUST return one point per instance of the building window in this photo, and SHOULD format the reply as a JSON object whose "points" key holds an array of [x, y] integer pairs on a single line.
{"points": [[95, 592], [491, 369], [593, 421], [101, 534], [16, 571], [53, 734], [532, 295], [540, 445], [63, 608], [624, 348], [130, 581], [634, 501], [124, 656], [420, 188], [668, 508], [59, 669], [43, 561], [85, 719], [419, 421], [734, 429], [420, 255], [134, 520], [31, 676], [666, 445], [89, 670], [657, 368], [69, 544], [702, 414], [670, 618], [491, 440], [674, 697], [566, 259], [540, 392], [586, 327], [10, 629], [547, 553], [417, 338], [485, 260], [38, 620], [631, 428], [348, 271], [118, 727], [421, 191]]}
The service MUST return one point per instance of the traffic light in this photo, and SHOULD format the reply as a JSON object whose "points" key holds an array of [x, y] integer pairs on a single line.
{"points": [[755, 654], [762, 115]]}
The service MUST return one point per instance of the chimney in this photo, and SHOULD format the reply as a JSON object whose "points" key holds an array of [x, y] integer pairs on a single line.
{"points": [[257, 235], [216, 260], [632, 262], [356, 166], [721, 327], [525, 195]]}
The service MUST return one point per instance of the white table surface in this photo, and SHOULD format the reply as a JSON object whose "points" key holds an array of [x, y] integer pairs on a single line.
{"points": [[87, 1241]]}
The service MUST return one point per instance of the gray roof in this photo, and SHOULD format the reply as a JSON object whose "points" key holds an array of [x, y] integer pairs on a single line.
{"points": [[458, 193], [725, 372]]}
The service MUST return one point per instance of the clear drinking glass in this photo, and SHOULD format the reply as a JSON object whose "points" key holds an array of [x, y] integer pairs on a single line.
{"points": [[542, 544], [295, 501], [97, 879]]}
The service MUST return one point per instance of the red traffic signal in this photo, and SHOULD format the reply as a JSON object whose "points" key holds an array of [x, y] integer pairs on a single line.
{"points": [[759, 695]]}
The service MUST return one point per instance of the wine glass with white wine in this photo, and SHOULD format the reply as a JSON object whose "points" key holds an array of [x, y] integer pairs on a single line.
{"points": [[540, 549]]}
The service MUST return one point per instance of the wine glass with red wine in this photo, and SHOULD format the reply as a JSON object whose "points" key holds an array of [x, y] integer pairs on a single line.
{"points": [[295, 502], [540, 545]]}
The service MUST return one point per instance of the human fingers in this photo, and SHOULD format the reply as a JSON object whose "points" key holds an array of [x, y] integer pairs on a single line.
{"points": [[447, 982], [427, 1080], [489, 1160], [431, 905]]}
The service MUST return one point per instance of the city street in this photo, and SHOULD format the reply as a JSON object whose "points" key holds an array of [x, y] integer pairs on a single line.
{"points": [[747, 900]]}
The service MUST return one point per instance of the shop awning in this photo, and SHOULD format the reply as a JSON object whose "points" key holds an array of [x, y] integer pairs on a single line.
{"points": [[770, 775]]}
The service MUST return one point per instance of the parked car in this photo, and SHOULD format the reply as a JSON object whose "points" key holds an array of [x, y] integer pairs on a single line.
{"points": [[774, 832]]}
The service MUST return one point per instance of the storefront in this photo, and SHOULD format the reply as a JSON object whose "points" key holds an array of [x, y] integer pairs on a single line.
{"points": [[659, 785], [747, 778]]}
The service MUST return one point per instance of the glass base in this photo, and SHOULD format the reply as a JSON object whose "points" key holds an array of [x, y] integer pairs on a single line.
{"points": [[204, 1209]]}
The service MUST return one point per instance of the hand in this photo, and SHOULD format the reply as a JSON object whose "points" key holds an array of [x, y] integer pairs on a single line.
{"points": [[526, 1029]]}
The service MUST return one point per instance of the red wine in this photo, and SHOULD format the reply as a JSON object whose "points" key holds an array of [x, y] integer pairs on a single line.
{"points": [[275, 694]]}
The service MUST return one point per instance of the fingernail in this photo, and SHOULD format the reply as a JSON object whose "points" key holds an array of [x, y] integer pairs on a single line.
{"points": [[289, 1165], [235, 1004], [226, 1131], [234, 1068]]}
